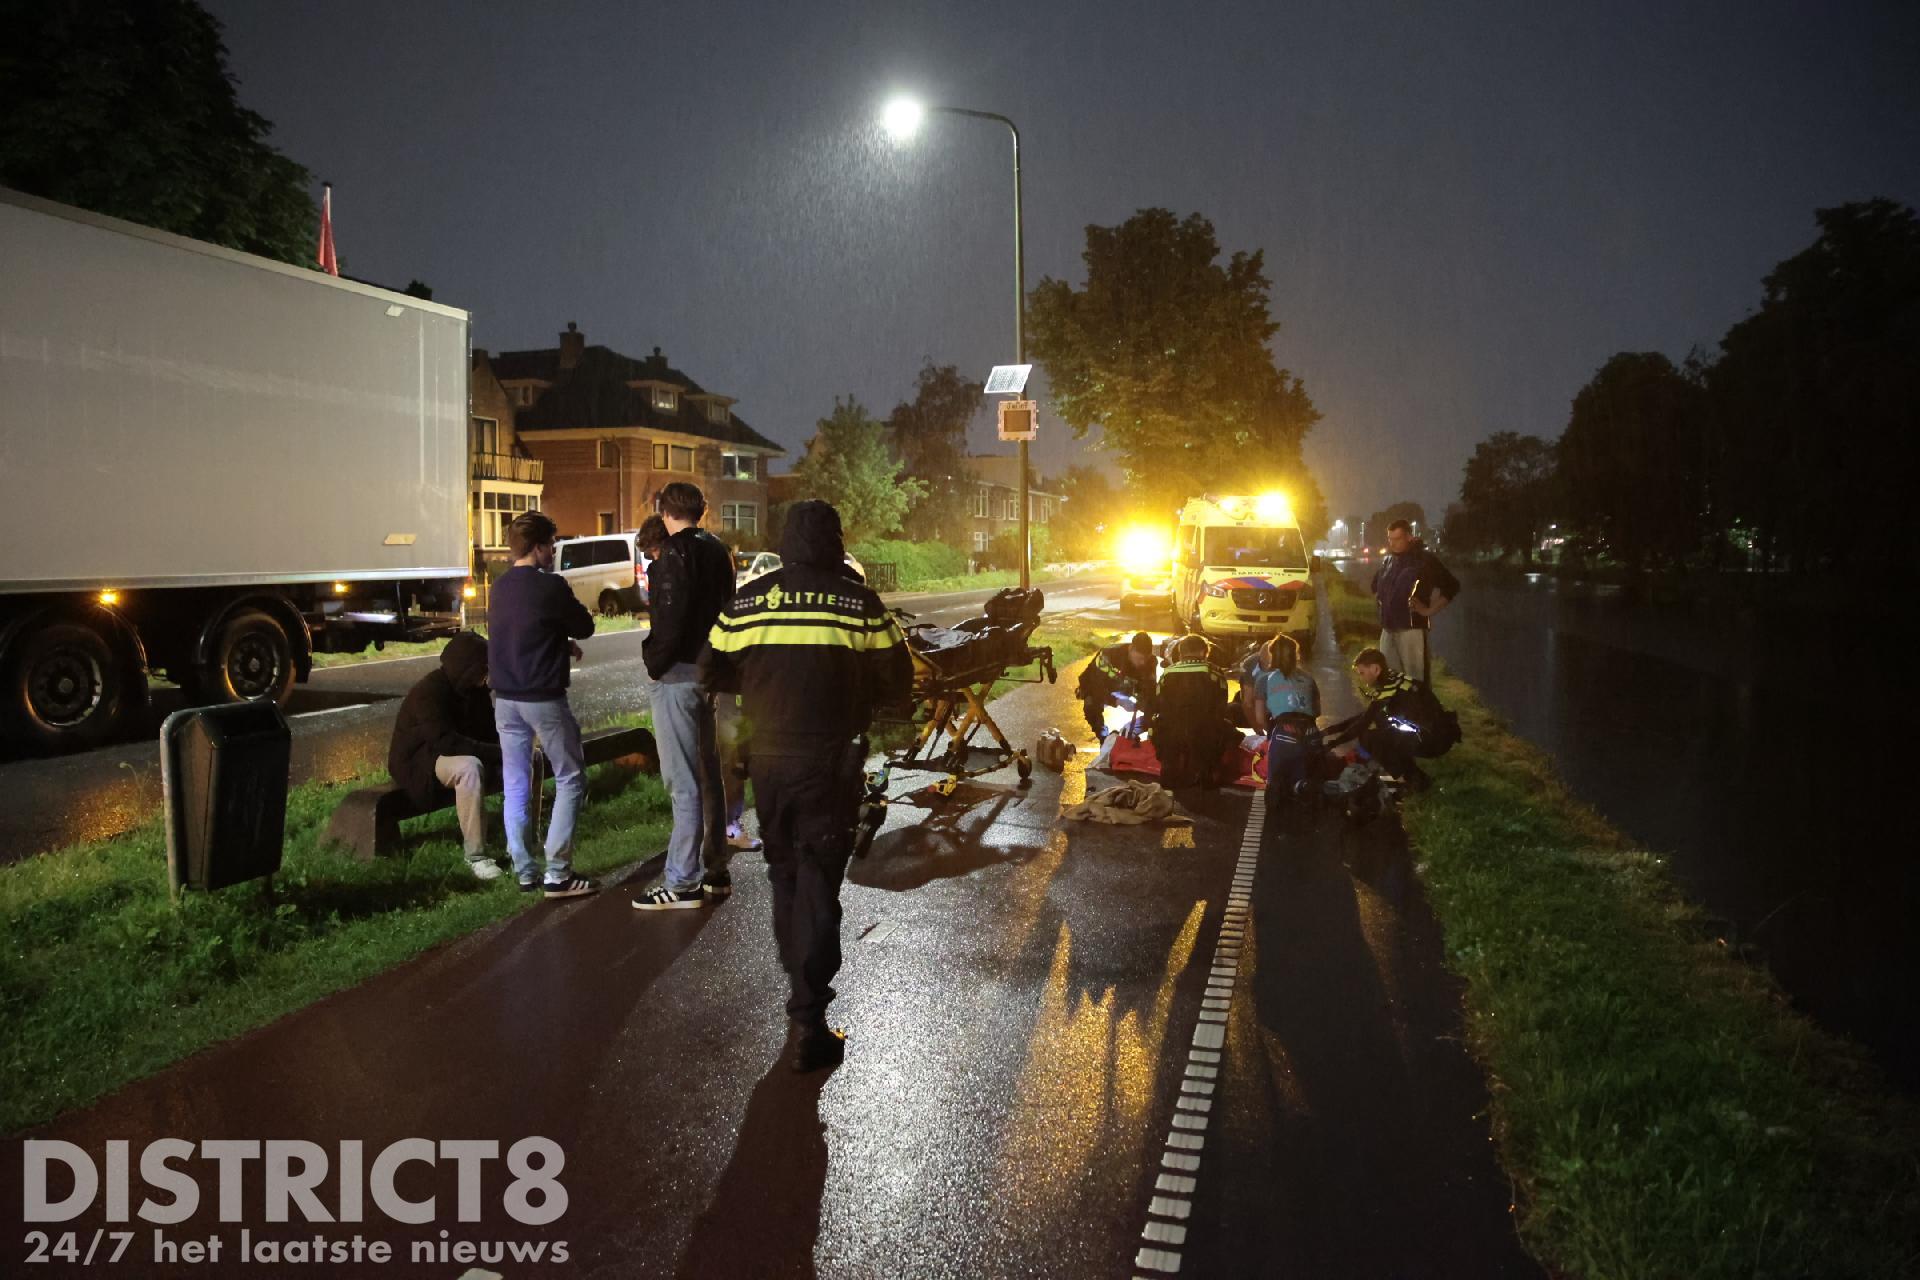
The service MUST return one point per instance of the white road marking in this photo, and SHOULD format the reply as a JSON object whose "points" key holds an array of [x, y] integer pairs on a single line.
{"points": [[327, 711], [1193, 1104], [1158, 1260]]}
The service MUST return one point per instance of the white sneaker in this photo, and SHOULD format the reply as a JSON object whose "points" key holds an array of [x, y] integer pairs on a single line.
{"points": [[485, 868]]}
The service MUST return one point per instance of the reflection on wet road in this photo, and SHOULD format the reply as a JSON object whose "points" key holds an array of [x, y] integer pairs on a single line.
{"points": [[1020, 994]]}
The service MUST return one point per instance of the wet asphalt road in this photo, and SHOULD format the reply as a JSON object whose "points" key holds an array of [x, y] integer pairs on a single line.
{"points": [[342, 719], [1228, 1048]]}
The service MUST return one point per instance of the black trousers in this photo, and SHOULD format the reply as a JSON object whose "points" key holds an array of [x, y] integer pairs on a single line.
{"points": [[807, 807]]}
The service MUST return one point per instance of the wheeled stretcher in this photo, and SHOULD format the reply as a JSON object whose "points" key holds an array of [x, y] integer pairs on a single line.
{"points": [[954, 672]]}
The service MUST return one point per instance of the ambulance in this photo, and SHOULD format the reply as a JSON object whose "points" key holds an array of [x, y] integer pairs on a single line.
{"points": [[1241, 570]]}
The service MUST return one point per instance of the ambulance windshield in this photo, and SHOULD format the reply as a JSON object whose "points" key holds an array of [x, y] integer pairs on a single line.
{"points": [[1233, 547]]}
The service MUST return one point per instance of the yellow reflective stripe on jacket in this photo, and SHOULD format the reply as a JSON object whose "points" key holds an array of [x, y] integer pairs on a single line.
{"points": [[731, 635], [1194, 668]]}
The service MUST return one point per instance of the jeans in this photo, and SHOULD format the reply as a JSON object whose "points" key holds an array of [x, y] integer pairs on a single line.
{"points": [[683, 728], [1406, 652], [552, 723]]}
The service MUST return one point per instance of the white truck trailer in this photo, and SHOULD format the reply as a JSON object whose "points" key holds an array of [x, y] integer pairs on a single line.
{"points": [[211, 466]]}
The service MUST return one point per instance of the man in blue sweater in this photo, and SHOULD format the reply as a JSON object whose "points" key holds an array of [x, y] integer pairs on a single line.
{"points": [[533, 622]]}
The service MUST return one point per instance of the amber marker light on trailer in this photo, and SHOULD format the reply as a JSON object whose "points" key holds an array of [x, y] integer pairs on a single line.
{"points": [[469, 591], [109, 596], [339, 588]]}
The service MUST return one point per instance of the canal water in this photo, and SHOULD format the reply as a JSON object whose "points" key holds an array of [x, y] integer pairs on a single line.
{"points": [[1766, 753]]}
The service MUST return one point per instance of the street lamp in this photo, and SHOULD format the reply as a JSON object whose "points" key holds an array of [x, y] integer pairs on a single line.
{"points": [[902, 117]]}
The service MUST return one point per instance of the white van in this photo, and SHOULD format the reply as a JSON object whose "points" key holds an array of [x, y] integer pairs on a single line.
{"points": [[1241, 570], [605, 571]]}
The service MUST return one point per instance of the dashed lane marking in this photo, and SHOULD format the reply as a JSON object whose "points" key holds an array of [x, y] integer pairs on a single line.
{"points": [[1172, 1204]]}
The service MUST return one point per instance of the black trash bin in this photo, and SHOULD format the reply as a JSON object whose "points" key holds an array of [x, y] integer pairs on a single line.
{"points": [[225, 773]]}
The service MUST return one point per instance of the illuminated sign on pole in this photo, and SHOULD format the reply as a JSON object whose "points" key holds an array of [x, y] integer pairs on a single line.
{"points": [[1019, 419]]}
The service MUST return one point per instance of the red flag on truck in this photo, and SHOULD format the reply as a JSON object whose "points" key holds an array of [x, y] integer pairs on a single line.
{"points": [[325, 257]]}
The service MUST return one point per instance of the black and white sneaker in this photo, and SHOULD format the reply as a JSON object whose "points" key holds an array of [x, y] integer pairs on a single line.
{"points": [[665, 899], [571, 887]]}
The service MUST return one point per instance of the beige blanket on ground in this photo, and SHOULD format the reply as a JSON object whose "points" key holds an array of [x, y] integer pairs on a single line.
{"points": [[1130, 803]]}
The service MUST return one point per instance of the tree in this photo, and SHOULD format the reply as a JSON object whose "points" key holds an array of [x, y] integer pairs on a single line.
{"points": [[126, 107], [1165, 348], [929, 436], [849, 466], [1629, 461], [1507, 494], [1811, 393], [1084, 524]]}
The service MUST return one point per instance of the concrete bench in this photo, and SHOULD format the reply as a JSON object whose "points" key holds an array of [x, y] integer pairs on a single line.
{"points": [[368, 820]]}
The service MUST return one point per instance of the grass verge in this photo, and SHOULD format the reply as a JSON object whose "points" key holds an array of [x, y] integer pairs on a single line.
{"points": [[1662, 1108], [1356, 615], [419, 649], [989, 578], [103, 980]]}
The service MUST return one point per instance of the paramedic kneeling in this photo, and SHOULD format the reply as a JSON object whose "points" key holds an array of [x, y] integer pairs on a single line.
{"points": [[1117, 669], [1286, 707], [811, 652]]}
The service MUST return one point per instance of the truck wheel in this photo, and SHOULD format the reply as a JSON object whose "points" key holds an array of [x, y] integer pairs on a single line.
{"points": [[63, 687], [610, 605], [252, 661]]}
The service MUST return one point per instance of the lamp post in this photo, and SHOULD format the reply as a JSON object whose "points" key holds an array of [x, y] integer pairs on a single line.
{"points": [[902, 118]]}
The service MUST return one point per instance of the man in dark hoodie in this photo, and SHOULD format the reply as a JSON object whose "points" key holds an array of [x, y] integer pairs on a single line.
{"points": [[1412, 587], [812, 651], [687, 584], [444, 743], [532, 624]]}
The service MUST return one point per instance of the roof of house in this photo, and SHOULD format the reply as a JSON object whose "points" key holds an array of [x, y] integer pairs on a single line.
{"points": [[594, 393]]}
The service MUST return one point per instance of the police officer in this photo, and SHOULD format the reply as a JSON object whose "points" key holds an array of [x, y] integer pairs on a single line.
{"points": [[1121, 668], [811, 650]]}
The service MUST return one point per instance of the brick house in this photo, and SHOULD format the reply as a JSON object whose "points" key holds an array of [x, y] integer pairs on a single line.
{"points": [[612, 431], [505, 478], [994, 502]]}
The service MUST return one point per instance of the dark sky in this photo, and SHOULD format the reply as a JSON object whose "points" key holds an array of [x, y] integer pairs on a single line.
{"points": [[1465, 208]]}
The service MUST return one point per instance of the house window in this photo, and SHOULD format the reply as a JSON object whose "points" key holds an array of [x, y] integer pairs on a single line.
{"points": [[606, 522], [666, 399], [672, 457], [1010, 510], [609, 454], [682, 458], [737, 466], [980, 502], [486, 436], [979, 539], [741, 517], [717, 412], [523, 395]]}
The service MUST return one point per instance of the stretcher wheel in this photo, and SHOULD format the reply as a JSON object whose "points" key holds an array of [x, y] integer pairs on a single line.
{"points": [[1023, 764], [872, 816]]}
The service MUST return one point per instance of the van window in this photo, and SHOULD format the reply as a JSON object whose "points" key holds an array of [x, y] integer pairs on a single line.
{"points": [[613, 551], [1231, 547], [575, 555]]}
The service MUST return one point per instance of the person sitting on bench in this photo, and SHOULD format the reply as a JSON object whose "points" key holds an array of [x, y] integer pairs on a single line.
{"points": [[445, 747], [1191, 731]]}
